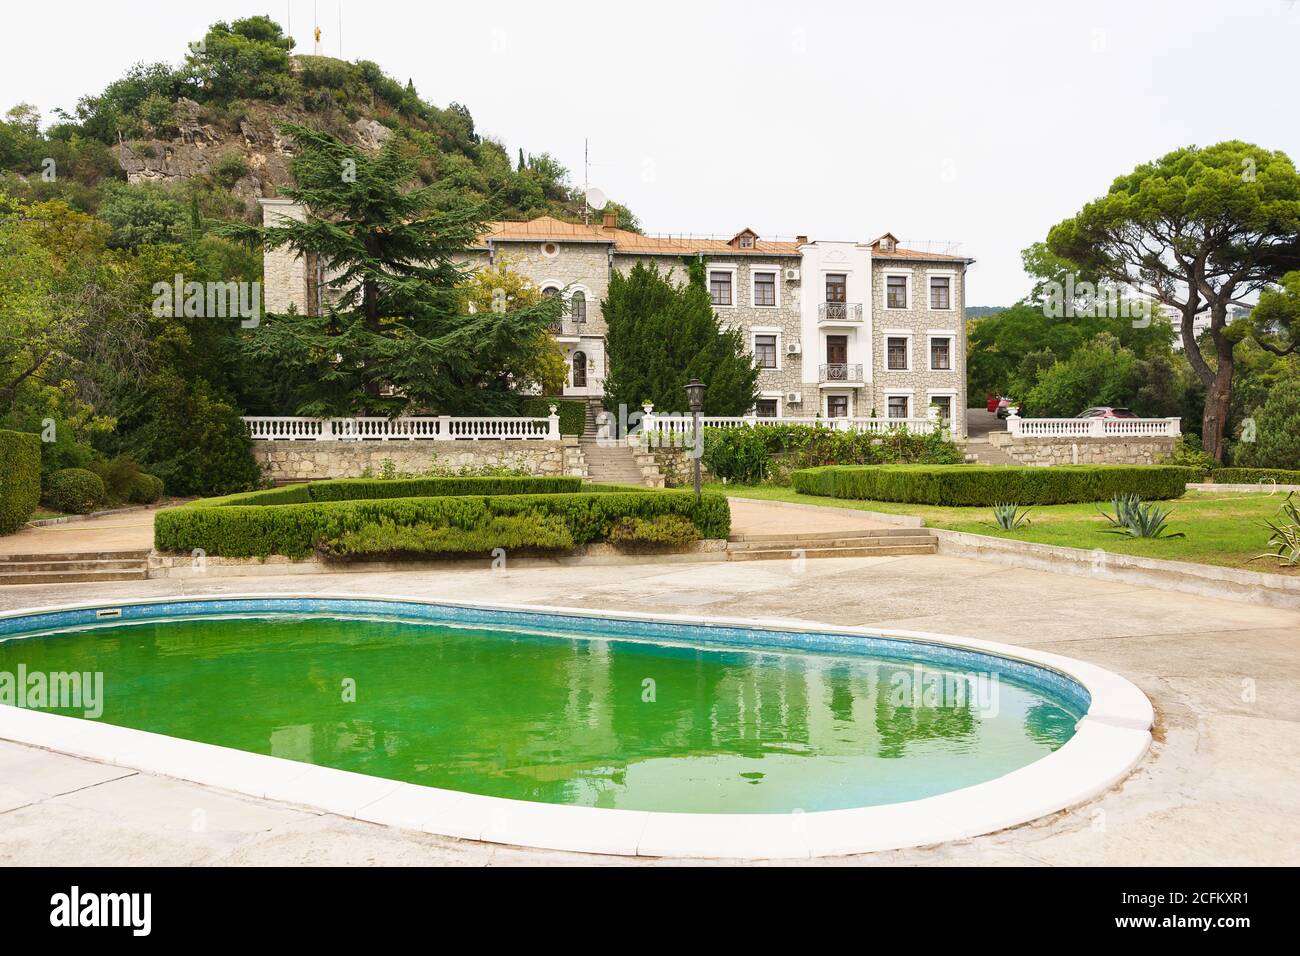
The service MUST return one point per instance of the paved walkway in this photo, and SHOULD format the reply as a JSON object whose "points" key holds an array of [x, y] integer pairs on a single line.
{"points": [[750, 516], [128, 531], [1221, 786]]}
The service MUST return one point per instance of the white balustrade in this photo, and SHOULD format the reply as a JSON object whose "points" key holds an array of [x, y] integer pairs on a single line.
{"points": [[1094, 427], [412, 428]]}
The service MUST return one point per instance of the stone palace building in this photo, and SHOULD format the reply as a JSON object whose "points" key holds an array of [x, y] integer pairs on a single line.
{"points": [[838, 329]]}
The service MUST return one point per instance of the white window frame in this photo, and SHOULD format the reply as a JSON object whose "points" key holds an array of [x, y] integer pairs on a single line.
{"points": [[893, 273], [735, 288], [549, 242], [753, 276], [949, 393], [951, 336], [754, 333], [951, 276], [885, 336], [835, 393], [905, 393]]}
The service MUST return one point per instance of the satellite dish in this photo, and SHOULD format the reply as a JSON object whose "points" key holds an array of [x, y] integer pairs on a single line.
{"points": [[596, 199]]}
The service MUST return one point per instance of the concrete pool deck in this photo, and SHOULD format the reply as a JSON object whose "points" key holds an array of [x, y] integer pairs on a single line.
{"points": [[1220, 786]]}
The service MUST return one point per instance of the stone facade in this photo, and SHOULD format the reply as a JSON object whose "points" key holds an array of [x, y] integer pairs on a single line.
{"points": [[781, 320], [918, 324], [1084, 451], [284, 461]]}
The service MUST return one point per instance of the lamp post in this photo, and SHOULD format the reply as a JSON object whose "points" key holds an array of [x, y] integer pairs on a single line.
{"points": [[695, 401]]}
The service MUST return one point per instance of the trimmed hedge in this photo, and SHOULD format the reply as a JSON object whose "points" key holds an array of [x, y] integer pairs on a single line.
{"points": [[357, 489], [573, 414], [240, 529], [985, 485], [1251, 476], [20, 478], [75, 491]]}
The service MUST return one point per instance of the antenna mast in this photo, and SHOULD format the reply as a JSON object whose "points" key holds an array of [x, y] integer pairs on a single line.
{"points": [[586, 184]]}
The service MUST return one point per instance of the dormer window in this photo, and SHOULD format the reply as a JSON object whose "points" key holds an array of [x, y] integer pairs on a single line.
{"points": [[745, 239]]}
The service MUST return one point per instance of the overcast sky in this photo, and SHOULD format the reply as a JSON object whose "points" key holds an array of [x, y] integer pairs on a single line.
{"points": [[976, 123]]}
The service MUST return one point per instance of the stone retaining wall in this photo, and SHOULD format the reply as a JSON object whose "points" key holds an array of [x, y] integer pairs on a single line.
{"points": [[1083, 451], [288, 461]]}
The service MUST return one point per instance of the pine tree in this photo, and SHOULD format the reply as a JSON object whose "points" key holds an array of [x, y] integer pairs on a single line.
{"points": [[662, 335], [393, 311]]}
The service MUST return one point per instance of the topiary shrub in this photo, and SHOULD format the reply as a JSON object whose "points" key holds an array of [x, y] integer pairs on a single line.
{"points": [[144, 489], [20, 478], [75, 491], [986, 485]]}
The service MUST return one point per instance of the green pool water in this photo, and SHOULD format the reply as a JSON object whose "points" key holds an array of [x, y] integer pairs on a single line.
{"points": [[574, 720]]}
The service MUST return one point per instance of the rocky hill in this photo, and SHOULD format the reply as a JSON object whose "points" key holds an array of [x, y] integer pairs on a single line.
{"points": [[207, 129]]}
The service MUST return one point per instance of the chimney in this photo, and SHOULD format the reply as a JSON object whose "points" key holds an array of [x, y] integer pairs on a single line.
{"points": [[801, 240], [610, 220]]}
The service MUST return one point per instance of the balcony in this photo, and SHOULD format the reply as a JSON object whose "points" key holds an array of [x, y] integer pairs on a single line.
{"points": [[566, 329], [838, 373], [839, 313]]}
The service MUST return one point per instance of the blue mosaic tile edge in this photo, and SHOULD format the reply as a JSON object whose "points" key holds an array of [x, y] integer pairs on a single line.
{"points": [[1041, 678]]}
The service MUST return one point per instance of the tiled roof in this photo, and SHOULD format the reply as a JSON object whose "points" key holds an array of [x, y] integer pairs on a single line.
{"points": [[916, 254], [546, 228], [631, 243]]}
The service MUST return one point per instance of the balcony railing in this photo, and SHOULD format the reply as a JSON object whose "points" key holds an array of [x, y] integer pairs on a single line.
{"points": [[839, 312], [840, 372], [566, 327]]}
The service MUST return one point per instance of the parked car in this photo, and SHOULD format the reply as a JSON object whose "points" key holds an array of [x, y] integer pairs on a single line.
{"points": [[1004, 407], [1105, 411]]}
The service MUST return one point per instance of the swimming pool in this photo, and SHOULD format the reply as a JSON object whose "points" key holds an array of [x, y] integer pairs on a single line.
{"points": [[441, 711]]}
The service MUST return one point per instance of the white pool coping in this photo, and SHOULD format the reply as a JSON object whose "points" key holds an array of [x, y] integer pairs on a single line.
{"points": [[1110, 741]]}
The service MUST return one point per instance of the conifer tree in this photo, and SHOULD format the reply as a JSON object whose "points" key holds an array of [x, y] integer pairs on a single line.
{"points": [[394, 333]]}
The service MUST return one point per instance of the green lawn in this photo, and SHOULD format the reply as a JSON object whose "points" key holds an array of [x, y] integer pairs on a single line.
{"points": [[1221, 527]]}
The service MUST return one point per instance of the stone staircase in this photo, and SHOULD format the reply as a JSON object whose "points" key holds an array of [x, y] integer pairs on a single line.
{"points": [[980, 451], [875, 543], [611, 464], [74, 568]]}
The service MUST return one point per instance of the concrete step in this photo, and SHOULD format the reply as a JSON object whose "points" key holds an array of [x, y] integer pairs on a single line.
{"points": [[866, 551], [122, 564], [137, 553], [899, 532], [72, 577], [790, 544]]}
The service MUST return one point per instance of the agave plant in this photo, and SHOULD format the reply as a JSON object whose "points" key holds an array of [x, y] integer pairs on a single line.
{"points": [[1124, 506], [1009, 516], [1285, 540], [1138, 520]]}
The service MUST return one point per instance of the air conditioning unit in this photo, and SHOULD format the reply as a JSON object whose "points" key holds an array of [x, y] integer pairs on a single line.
{"points": [[791, 275], [792, 348], [794, 398]]}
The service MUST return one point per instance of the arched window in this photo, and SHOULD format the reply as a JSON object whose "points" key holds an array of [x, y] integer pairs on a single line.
{"points": [[550, 292], [578, 306], [579, 369]]}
